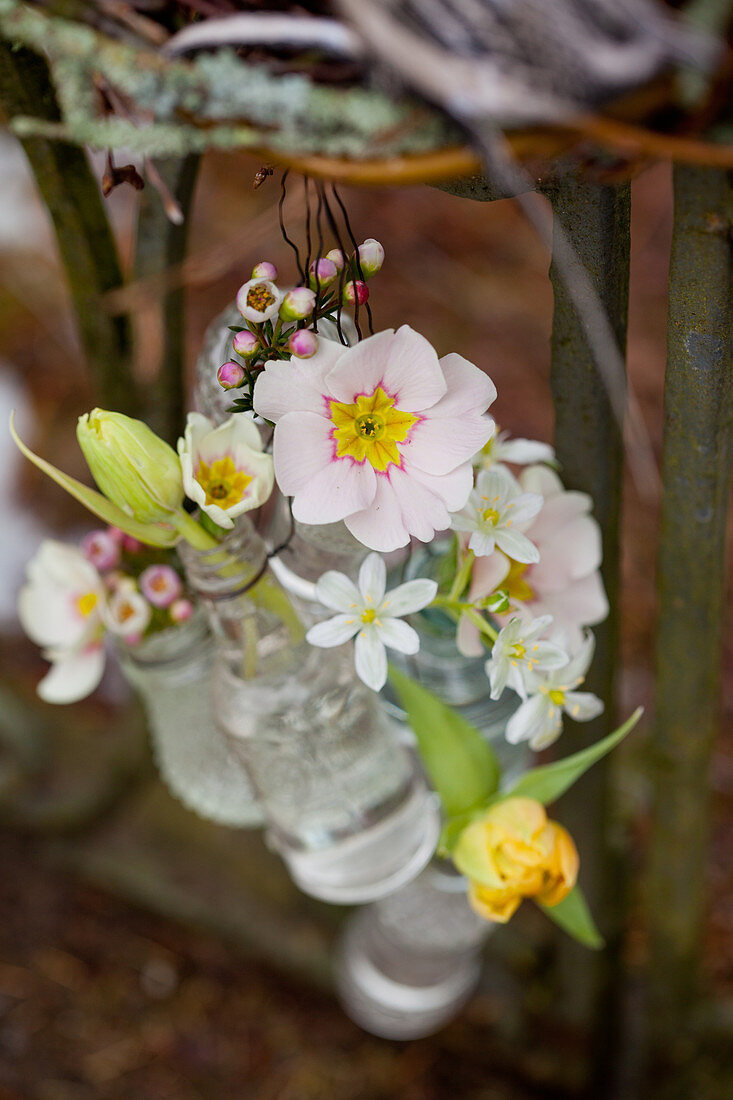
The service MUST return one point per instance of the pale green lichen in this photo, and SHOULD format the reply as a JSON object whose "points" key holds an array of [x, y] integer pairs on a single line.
{"points": [[215, 101]]}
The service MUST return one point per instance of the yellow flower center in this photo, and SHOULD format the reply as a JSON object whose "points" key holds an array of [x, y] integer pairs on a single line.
{"points": [[490, 515], [259, 298], [519, 651], [87, 603], [557, 696], [370, 429], [514, 582], [222, 482], [369, 615]]}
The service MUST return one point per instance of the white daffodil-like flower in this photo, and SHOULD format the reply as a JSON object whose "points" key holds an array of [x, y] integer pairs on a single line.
{"points": [[60, 608], [496, 515], [372, 614], [502, 448], [518, 652], [224, 469], [259, 300], [539, 719]]}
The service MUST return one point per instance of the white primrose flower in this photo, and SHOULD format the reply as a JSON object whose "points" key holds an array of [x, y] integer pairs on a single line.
{"points": [[539, 719], [60, 607], [224, 469], [496, 515], [373, 615], [519, 452], [518, 652], [259, 300]]}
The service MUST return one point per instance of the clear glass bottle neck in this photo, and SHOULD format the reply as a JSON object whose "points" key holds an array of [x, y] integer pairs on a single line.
{"points": [[167, 652], [308, 551]]}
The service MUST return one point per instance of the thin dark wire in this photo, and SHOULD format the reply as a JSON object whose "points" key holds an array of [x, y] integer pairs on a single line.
{"points": [[357, 261], [308, 240], [319, 253], [283, 231], [288, 538], [342, 273]]}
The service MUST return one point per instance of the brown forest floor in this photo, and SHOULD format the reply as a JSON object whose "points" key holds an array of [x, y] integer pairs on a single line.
{"points": [[98, 999]]}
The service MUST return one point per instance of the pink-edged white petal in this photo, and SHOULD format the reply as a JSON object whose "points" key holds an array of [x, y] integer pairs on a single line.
{"points": [[302, 448], [410, 597], [296, 384], [336, 591], [403, 363], [370, 659], [438, 444], [453, 488], [398, 635], [73, 676], [469, 389], [334, 631], [373, 580], [340, 489], [380, 526], [487, 574], [423, 513], [468, 639]]}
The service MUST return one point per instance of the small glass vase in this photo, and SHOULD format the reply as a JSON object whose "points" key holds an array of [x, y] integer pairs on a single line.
{"points": [[346, 804], [171, 671], [407, 964], [459, 681]]}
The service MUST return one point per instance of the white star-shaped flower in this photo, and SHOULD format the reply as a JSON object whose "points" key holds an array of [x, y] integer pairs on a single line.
{"points": [[496, 515], [518, 652], [539, 719], [371, 614], [502, 448]]}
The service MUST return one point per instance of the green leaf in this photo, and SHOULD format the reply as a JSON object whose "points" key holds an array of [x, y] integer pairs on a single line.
{"points": [[153, 534], [461, 765], [549, 781], [574, 917]]}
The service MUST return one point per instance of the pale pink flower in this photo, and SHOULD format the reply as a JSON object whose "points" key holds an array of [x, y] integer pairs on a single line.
{"points": [[160, 584], [102, 549], [565, 583], [380, 435], [181, 610]]}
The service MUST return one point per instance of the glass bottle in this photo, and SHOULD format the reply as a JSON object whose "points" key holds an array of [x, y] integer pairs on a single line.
{"points": [[171, 671], [346, 804], [457, 680], [407, 964]]}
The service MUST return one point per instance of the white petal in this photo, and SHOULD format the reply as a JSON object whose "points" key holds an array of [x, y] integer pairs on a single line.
{"points": [[497, 669], [373, 580], [49, 617], [297, 384], [334, 631], [524, 507], [545, 656], [522, 452], [528, 720], [440, 443], [468, 640], [453, 488], [397, 635], [516, 545], [370, 659], [409, 597], [340, 489], [469, 389], [580, 661], [380, 526], [73, 677], [483, 543], [336, 591], [423, 511], [301, 447], [582, 705]]}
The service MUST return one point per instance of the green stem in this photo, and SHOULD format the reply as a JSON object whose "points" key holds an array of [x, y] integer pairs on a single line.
{"points": [[193, 533], [463, 576]]}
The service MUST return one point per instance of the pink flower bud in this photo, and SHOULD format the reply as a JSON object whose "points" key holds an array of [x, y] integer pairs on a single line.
{"points": [[102, 549], [245, 343], [180, 610], [160, 585], [303, 343], [356, 291], [322, 273], [264, 270], [371, 257], [116, 534], [336, 257], [298, 304], [230, 375], [131, 545]]}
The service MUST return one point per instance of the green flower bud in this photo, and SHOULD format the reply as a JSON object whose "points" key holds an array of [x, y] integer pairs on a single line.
{"points": [[132, 466]]}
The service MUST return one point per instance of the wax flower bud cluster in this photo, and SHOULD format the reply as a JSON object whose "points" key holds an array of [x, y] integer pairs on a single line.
{"points": [[282, 323], [76, 596]]}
